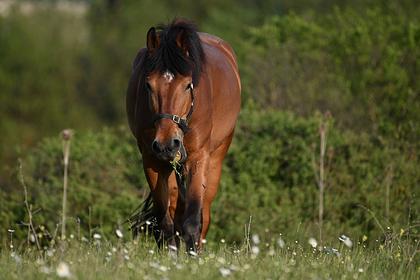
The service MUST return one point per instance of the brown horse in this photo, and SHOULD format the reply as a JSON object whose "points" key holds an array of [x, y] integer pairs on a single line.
{"points": [[183, 100]]}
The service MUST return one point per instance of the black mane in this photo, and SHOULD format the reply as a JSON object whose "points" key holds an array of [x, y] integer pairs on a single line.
{"points": [[168, 56]]}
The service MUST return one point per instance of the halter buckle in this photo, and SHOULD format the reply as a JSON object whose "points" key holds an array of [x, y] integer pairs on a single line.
{"points": [[176, 119]]}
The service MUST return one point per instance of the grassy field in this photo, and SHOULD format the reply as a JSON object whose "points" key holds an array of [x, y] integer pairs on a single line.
{"points": [[255, 259]]}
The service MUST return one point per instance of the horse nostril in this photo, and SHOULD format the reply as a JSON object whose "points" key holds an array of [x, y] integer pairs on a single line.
{"points": [[156, 147], [176, 143]]}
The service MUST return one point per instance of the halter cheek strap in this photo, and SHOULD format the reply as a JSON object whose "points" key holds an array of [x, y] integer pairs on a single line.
{"points": [[181, 122]]}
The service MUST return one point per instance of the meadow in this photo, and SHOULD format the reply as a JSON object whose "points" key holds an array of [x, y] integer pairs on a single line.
{"points": [[322, 177], [256, 258]]}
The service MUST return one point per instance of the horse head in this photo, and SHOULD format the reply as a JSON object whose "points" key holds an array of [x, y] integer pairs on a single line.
{"points": [[172, 69]]}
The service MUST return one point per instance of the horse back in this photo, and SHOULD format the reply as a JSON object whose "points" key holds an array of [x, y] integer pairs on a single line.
{"points": [[221, 70]]}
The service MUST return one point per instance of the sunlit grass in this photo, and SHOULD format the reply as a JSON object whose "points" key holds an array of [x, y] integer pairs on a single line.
{"points": [[101, 259]]}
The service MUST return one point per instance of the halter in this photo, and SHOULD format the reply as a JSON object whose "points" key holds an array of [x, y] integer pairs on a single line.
{"points": [[182, 123]]}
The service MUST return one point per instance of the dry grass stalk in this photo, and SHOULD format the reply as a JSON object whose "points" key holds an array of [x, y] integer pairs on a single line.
{"points": [[66, 135], [28, 208]]}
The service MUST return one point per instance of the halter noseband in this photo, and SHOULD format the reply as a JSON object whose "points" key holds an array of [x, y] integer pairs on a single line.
{"points": [[182, 123]]}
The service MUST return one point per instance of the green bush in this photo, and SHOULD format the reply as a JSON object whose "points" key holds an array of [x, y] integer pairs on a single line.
{"points": [[361, 66], [269, 173]]}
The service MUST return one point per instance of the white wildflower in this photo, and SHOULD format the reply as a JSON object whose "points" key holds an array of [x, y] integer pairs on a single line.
{"points": [[346, 240], [119, 233], [97, 236], [255, 239], [222, 240], [50, 253], [312, 241], [255, 250], [281, 242], [335, 252], [45, 269], [63, 270], [225, 271], [271, 252], [172, 248], [193, 253]]}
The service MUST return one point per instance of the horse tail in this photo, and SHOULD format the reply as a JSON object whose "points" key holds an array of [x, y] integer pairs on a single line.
{"points": [[143, 219]]}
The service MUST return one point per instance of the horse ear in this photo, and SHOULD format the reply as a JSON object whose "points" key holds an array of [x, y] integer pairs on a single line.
{"points": [[182, 41], [152, 39]]}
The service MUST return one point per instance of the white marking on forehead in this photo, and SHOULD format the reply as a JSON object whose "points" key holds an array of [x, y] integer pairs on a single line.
{"points": [[168, 76]]}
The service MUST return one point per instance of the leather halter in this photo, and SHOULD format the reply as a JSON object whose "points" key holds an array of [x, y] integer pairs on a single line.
{"points": [[181, 122]]}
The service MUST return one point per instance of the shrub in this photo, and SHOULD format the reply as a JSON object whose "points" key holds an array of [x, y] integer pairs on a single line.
{"points": [[268, 173]]}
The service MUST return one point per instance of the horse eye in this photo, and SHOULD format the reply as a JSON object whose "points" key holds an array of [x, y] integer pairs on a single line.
{"points": [[189, 87]]}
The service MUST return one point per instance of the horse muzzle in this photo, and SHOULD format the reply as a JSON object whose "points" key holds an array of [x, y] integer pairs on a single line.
{"points": [[168, 151]]}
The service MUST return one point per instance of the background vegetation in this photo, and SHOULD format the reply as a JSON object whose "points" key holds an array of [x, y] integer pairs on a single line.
{"points": [[358, 60]]}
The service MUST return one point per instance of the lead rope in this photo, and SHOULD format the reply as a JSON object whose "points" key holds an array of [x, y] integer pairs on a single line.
{"points": [[178, 164]]}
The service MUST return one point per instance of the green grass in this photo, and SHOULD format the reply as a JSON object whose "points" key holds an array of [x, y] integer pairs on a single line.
{"points": [[140, 259]]}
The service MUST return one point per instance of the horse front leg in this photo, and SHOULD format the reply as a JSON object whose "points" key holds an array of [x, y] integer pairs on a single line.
{"points": [[162, 188], [192, 225]]}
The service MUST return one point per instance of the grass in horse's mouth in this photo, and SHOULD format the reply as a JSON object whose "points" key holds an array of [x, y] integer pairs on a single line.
{"points": [[175, 163]]}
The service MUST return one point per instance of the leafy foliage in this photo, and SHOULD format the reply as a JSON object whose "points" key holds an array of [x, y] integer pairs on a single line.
{"points": [[362, 67], [269, 174]]}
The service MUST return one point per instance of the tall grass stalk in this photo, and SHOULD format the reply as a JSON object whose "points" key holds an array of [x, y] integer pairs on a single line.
{"points": [[323, 131], [31, 228], [66, 135]]}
